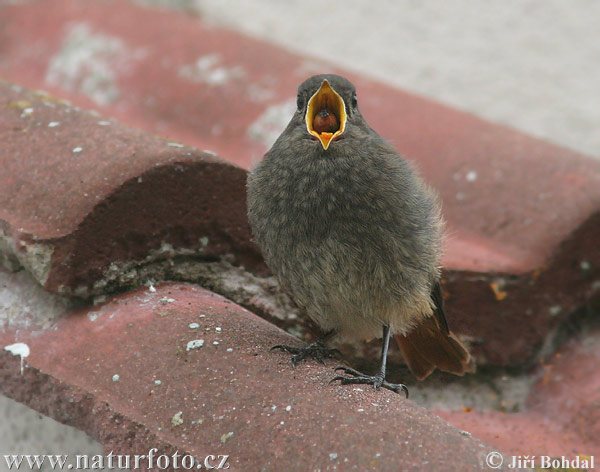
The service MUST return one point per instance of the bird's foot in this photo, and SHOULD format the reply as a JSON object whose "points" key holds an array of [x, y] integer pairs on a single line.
{"points": [[377, 381], [315, 350]]}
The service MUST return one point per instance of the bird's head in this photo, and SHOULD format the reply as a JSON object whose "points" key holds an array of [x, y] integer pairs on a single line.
{"points": [[326, 102]]}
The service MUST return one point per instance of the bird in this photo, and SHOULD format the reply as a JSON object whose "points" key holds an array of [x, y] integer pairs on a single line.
{"points": [[354, 236]]}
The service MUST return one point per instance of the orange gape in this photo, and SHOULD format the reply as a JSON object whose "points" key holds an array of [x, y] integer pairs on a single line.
{"points": [[325, 122]]}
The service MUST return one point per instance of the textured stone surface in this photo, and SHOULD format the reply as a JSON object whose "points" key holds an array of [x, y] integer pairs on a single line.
{"points": [[125, 373], [214, 88], [561, 413], [522, 214], [79, 192], [80, 195]]}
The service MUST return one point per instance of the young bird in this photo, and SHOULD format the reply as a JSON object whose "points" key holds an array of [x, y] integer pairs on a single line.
{"points": [[353, 235]]}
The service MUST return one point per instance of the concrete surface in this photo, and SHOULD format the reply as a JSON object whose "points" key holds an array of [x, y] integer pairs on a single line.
{"points": [[531, 64], [99, 183], [107, 201], [25, 431]]}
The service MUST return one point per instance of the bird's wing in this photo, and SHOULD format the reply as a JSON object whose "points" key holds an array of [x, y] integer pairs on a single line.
{"points": [[438, 300]]}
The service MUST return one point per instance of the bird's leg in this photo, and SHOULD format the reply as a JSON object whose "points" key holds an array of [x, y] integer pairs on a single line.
{"points": [[377, 380], [316, 350]]}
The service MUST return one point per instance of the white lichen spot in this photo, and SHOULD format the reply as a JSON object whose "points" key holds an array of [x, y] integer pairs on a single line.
{"points": [[259, 93], [203, 241], [207, 70], [77, 149], [208, 151], [89, 63], [99, 300], [272, 122], [193, 326], [140, 180], [177, 419], [157, 382], [333, 456], [555, 310], [18, 349], [471, 176], [218, 329], [585, 265], [194, 344], [152, 289], [288, 408], [229, 349], [104, 123], [36, 258], [216, 343], [226, 436], [26, 112], [165, 300], [177, 145], [53, 124], [115, 378]]}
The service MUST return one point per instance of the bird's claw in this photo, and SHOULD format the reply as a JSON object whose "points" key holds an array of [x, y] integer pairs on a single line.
{"points": [[377, 381]]}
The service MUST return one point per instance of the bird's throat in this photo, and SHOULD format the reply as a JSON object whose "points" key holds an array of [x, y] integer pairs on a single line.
{"points": [[326, 115]]}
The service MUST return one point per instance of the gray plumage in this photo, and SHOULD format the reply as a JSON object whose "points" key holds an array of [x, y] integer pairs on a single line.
{"points": [[352, 232]]}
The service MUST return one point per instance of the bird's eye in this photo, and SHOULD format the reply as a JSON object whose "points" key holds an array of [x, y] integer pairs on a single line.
{"points": [[300, 102], [354, 101]]}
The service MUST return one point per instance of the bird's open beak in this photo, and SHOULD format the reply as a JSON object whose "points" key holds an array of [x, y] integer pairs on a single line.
{"points": [[326, 114]]}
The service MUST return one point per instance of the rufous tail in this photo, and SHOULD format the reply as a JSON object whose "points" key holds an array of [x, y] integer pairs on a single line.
{"points": [[430, 346]]}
